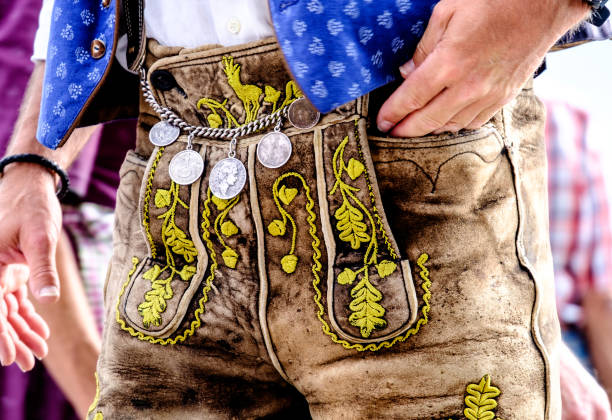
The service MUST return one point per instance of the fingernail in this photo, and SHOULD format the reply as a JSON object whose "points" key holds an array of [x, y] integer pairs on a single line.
{"points": [[406, 69], [46, 291], [385, 126]]}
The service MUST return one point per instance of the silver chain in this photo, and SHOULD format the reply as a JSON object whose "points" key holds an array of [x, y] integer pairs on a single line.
{"points": [[208, 132]]}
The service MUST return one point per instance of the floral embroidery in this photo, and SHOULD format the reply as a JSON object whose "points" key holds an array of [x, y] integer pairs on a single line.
{"points": [[278, 227], [366, 312], [197, 321], [481, 400], [226, 228], [176, 244], [249, 95]]}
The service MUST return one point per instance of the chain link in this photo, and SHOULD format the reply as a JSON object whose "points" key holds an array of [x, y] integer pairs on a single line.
{"points": [[208, 132]]}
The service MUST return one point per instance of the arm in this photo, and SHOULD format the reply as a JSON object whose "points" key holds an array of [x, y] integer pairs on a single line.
{"points": [[30, 222], [474, 58]]}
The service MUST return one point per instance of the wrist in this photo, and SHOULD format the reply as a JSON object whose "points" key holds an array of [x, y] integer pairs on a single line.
{"points": [[35, 174]]}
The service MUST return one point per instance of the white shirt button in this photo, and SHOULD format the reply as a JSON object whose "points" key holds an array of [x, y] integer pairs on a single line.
{"points": [[233, 25]]}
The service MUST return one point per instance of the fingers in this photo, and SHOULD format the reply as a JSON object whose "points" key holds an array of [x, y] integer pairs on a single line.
{"points": [[23, 355], [39, 251], [33, 319], [424, 78], [423, 84], [7, 347], [437, 114], [26, 335]]}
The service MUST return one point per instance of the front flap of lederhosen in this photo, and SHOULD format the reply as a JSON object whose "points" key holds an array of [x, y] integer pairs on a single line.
{"points": [[327, 193]]}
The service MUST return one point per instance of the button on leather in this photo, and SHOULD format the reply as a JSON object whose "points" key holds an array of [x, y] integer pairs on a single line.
{"points": [[105, 3], [98, 48], [233, 25]]}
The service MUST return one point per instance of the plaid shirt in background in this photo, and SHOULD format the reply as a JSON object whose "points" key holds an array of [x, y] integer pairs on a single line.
{"points": [[580, 234]]}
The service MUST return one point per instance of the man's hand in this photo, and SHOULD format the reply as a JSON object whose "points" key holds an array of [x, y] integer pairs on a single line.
{"points": [[30, 222], [22, 331], [582, 397], [473, 58]]}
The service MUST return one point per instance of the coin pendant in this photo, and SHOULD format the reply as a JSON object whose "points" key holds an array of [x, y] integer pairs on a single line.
{"points": [[302, 114], [163, 133], [274, 150], [227, 178], [186, 167]]}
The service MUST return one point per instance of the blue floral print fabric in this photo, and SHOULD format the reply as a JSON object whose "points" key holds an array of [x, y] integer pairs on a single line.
{"points": [[340, 50], [71, 73]]}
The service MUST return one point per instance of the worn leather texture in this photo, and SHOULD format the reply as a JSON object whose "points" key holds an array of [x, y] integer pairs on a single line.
{"points": [[368, 277]]}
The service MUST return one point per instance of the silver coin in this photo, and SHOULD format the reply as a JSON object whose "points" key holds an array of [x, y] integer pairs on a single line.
{"points": [[302, 114], [186, 167], [274, 150], [227, 178], [163, 133]]}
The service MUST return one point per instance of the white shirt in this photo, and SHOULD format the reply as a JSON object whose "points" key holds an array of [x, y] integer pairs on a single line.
{"points": [[174, 23]]}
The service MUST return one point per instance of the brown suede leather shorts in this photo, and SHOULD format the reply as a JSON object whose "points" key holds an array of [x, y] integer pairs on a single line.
{"points": [[368, 277]]}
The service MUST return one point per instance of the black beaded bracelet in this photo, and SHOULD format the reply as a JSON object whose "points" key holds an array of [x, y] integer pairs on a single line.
{"points": [[42, 161]]}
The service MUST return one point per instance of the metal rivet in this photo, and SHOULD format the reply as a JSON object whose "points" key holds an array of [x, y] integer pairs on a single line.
{"points": [[98, 48], [105, 3]]}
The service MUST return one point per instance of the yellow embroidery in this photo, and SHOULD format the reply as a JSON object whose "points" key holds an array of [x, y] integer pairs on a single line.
{"points": [[207, 286], [278, 227], [94, 404], [176, 244], [249, 95], [367, 314], [147, 199], [98, 416], [480, 401], [375, 212], [226, 228], [316, 270]]}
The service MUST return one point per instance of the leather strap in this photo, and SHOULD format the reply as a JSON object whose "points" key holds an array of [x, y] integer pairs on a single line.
{"points": [[133, 12]]}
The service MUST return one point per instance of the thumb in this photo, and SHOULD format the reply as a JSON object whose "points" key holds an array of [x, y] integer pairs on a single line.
{"points": [[38, 248]]}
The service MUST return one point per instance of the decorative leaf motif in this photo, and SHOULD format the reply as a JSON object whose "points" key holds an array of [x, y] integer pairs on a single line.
{"points": [[481, 400], [350, 225], [367, 314], [385, 268], [276, 228], [177, 240], [287, 195], [155, 302], [214, 120], [289, 263], [230, 257], [187, 272], [347, 276], [220, 203], [354, 168], [163, 198], [152, 273], [228, 228]]}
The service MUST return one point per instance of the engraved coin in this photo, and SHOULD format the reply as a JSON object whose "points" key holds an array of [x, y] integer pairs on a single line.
{"points": [[163, 133], [186, 167], [302, 114], [274, 150], [227, 178]]}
